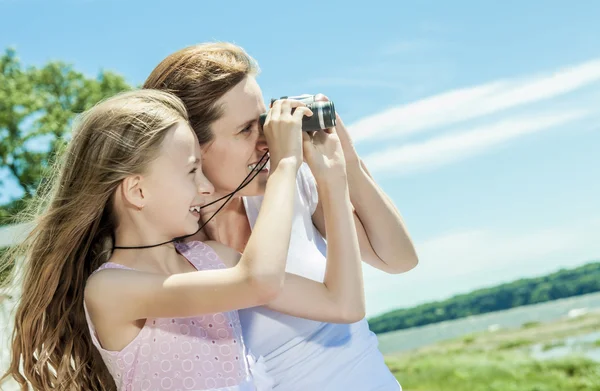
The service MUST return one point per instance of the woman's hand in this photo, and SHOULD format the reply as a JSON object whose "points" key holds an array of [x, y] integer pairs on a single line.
{"points": [[324, 155], [350, 154]]}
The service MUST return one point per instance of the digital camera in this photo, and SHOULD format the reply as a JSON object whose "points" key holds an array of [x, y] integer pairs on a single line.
{"points": [[323, 113]]}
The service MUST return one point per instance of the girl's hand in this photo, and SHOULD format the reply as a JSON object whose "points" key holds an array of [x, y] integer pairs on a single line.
{"points": [[283, 131]]}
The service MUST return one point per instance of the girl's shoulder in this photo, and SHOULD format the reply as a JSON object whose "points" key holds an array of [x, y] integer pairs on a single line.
{"points": [[225, 254]]}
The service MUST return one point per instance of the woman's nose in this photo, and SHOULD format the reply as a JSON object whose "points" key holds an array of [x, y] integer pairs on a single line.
{"points": [[261, 143], [205, 187]]}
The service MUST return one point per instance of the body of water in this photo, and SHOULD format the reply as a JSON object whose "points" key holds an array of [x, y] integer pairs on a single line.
{"points": [[408, 339]]}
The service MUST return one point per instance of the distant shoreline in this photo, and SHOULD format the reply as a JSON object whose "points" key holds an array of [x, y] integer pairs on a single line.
{"points": [[416, 337], [565, 283]]}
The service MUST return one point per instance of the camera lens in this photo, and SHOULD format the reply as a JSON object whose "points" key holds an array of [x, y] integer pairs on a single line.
{"points": [[324, 113]]}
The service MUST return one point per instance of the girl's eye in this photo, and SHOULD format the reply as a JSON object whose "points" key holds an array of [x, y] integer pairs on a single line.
{"points": [[194, 170]]}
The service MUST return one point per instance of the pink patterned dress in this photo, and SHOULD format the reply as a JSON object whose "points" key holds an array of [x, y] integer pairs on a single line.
{"points": [[205, 352]]}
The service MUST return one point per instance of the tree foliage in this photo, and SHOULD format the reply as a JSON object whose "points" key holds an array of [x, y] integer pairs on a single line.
{"points": [[37, 106]]}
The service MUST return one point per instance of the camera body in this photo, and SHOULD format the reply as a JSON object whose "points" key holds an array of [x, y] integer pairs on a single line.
{"points": [[323, 113]]}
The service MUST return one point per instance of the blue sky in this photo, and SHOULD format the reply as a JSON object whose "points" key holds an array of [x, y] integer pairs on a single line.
{"points": [[481, 121]]}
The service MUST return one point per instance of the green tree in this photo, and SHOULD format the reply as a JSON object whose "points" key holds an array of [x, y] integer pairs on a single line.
{"points": [[37, 106]]}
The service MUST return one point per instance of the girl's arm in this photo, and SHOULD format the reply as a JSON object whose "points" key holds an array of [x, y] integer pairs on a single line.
{"points": [[340, 297], [255, 280], [124, 295]]}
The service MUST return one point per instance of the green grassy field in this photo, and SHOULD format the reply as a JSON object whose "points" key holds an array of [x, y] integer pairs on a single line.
{"points": [[502, 360]]}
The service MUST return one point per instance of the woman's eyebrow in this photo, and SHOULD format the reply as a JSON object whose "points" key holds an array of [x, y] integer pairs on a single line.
{"points": [[247, 122]]}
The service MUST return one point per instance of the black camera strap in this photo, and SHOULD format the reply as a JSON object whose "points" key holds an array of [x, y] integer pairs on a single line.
{"points": [[229, 196]]}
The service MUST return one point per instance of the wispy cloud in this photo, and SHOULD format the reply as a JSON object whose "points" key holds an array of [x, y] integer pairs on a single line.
{"points": [[453, 147], [469, 103]]}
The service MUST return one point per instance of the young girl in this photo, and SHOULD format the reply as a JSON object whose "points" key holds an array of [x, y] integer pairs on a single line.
{"points": [[107, 287]]}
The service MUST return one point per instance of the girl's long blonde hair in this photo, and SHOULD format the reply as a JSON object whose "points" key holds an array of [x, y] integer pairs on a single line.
{"points": [[51, 344]]}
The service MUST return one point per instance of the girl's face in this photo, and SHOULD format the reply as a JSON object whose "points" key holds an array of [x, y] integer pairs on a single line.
{"points": [[175, 185], [238, 142]]}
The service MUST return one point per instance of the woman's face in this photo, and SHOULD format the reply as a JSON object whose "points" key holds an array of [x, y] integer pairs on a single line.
{"points": [[238, 142]]}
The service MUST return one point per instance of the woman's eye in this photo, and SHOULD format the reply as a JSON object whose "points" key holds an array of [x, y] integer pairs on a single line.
{"points": [[194, 170], [247, 129]]}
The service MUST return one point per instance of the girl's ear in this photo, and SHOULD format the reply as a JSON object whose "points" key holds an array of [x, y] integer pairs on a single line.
{"points": [[132, 192]]}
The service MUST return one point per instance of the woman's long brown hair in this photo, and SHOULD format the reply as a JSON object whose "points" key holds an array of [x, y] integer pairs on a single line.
{"points": [[200, 75]]}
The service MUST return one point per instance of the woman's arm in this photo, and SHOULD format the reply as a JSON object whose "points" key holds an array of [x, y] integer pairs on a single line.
{"points": [[384, 239]]}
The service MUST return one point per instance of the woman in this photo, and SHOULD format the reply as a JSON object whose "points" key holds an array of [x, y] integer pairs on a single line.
{"points": [[216, 82]]}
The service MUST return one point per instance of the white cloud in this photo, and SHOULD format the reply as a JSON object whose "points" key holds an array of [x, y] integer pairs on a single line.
{"points": [[445, 149], [468, 103], [458, 262]]}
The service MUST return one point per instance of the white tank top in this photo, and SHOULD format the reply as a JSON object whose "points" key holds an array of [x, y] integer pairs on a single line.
{"points": [[301, 354]]}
